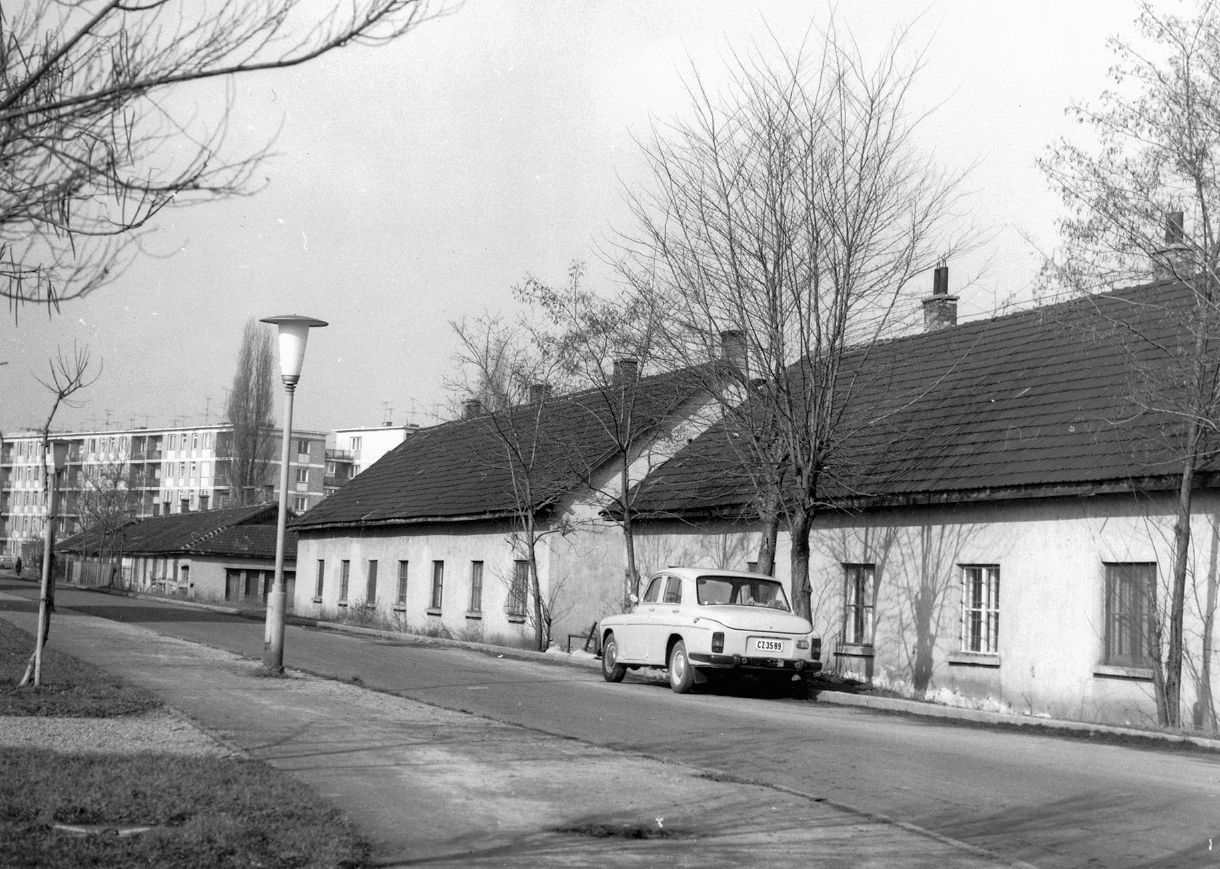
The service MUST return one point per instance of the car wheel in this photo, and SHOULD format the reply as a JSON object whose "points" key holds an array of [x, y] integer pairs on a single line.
{"points": [[681, 673], [612, 670]]}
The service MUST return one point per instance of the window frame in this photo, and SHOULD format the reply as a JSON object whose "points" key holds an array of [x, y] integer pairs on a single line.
{"points": [[517, 603], [437, 599], [319, 580], [980, 615], [859, 598], [345, 575], [401, 592], [476, 587], [1135, 633], [370, 582]]}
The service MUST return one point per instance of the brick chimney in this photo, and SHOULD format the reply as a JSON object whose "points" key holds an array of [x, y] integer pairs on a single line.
{"points": [[733, 349], [471, 408], [939, 309], [1174, 259], [539, 392], [626, 371]]}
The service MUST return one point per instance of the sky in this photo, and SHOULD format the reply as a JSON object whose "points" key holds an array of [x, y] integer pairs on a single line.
{"points": [[417, 183]]}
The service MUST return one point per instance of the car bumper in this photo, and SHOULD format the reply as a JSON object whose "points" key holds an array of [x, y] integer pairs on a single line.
{"points": [[740, 662]]}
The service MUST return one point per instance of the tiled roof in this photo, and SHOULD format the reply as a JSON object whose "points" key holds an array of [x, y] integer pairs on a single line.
{"points": [[462, 470], [250, 541], [180, 532], [1036, 400]]}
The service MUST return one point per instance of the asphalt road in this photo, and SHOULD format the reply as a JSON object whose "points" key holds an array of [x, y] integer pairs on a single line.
{"points": [[1044, 800]]}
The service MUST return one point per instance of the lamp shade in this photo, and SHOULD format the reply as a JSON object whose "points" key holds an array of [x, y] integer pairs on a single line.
{"points": [[294, 331]]}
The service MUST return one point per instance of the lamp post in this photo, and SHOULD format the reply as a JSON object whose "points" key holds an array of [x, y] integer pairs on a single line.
{"points": [[57, 456], [293, 333]]}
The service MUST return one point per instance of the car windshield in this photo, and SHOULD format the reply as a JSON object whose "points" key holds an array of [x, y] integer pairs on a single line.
{"points": [[740, 591]]}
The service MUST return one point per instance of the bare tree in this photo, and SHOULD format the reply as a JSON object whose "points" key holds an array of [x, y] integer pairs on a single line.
{"points": [[94, 137], [68, 376], [104, 501], [251, 447], [792, 210], [500, 361], [1142, 203]]}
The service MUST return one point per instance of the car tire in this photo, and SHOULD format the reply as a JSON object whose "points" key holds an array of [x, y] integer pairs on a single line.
{"points": [[681, 673], [612, 670]]}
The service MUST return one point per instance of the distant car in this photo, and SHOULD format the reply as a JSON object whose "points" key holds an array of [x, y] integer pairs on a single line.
{"points": [[8, 562], [693, 621]]}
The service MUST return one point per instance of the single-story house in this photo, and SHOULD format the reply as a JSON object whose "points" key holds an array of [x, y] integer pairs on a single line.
{"points": [[999, 516], [217, 556], [433, 536]]}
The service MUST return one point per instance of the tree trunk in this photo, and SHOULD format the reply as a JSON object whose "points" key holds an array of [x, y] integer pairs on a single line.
{"points": [[770, 539], [1205, 708], [532, 554], [800, 523], [1177, 604], [631, 578]]}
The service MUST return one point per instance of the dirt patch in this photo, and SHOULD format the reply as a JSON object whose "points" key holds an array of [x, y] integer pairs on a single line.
{"points": [[624, 831]]}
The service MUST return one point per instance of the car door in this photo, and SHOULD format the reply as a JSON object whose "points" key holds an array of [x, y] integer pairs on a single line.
{"points": [[663, 616], [634, 633]]}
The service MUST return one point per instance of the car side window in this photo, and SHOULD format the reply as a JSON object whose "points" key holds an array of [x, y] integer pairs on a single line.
{"points": [[654, 590], [673, 590]]}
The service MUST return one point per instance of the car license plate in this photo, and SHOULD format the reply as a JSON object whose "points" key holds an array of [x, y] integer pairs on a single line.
{"points": [[763, 645]]}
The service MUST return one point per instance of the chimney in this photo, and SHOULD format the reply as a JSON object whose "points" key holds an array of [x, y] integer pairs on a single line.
{"points": [[733, 349], [1173, 260], [539, 392], [471, 408], [939, 309], [626, 371]]}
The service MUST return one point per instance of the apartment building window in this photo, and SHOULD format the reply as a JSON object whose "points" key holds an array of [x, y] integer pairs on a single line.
{"points": [[345, 570], [302, 475], [476, 586], [1129, 605], [401, 599], [518, 594], [438, 586], [356, 442], [302, 447], [207, 440], [370, 591], [195, 440], [859, 582], [317, 585], [981, 609], [300, 503]]}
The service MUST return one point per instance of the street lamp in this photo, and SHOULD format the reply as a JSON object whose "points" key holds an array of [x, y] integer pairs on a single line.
{"points": [[293, 333], [57, 458]]}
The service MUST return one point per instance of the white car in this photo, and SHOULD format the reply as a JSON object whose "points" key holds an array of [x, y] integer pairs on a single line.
{"points": [[694, 620]]}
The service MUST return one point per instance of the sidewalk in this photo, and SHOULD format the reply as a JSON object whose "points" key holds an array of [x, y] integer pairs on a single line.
{"points": [[427, 784]]}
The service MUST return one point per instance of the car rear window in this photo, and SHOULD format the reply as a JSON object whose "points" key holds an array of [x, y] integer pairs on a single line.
{"points": [[740, 591]]}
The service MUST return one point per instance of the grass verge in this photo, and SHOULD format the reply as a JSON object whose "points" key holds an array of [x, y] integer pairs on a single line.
{"points": [[202, 811]]}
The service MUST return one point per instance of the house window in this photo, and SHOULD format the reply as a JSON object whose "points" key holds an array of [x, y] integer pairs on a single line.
{"points": [[518, 595], [1130, 599], [476, 586], [345, 572], [981, 609], [370, 593], [858, 609], [438, 585], [302, 475], [317, 586], [402, 584]]}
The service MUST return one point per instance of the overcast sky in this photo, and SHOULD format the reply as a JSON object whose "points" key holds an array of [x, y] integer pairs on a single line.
{"points": [[417, 183]]}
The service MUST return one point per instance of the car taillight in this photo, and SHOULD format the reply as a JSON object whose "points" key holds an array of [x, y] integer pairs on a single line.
{"points": [[718, 641], [802, 644]]}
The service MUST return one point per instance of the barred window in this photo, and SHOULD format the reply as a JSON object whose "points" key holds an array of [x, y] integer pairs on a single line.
{"points": [[981, 608], [1129, 605], [345, 571], [402, 584], [317, 588], [518, 595], [476, 586], [438, 584]]}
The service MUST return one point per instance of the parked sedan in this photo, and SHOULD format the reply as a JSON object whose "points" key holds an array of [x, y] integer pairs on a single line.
{"points": [[8, 562], [693, 621]]}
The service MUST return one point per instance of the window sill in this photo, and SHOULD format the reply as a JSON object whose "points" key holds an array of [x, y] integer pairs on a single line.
{"points": [[1109, 671], [342, 603], [474, 616], [400, 608], [855, 650], [974, 659], [317, 599], [516, 620], [434, 611]]}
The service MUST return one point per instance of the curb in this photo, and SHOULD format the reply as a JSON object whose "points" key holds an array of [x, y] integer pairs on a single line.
{"points": [[562, 658], [979, 716]]}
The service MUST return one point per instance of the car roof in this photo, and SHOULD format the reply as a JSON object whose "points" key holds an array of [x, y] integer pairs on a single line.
{"points": [[692, 572]]}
